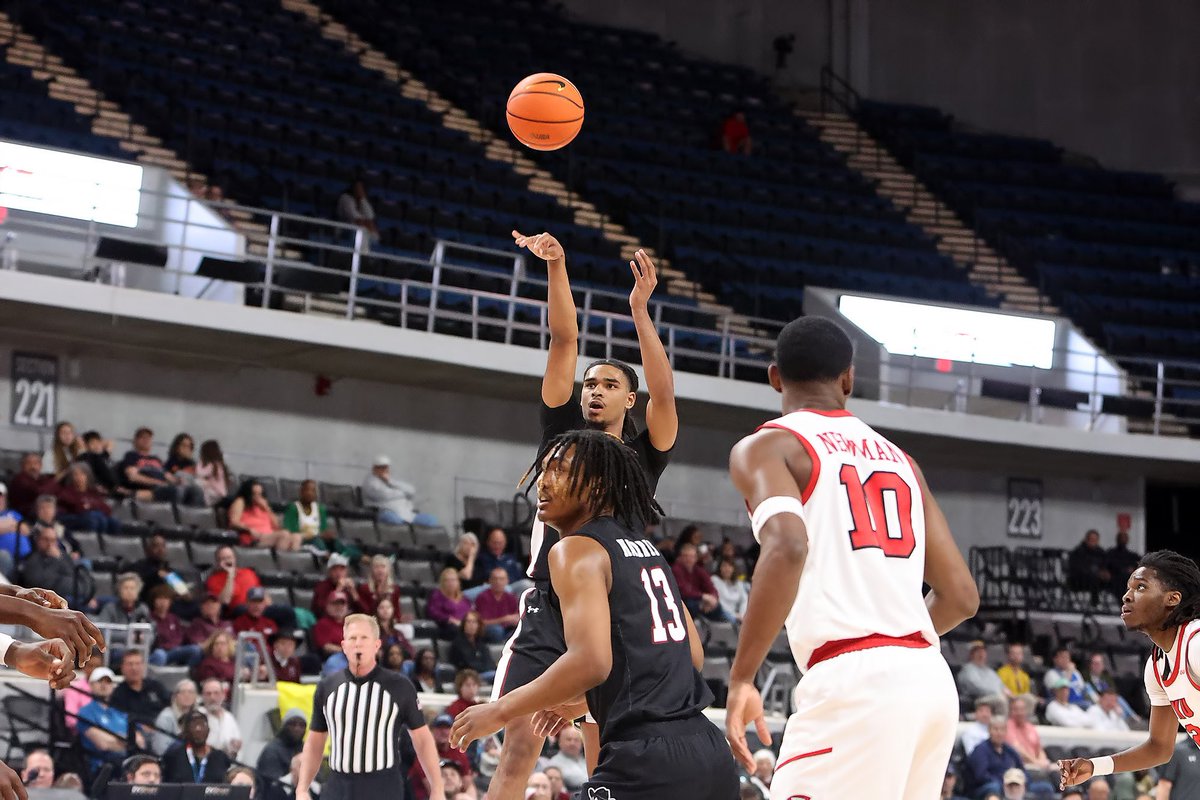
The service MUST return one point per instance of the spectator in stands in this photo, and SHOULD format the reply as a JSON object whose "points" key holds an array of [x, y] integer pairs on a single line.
{"points": [[82, 506], [558, 789], [228, 582], [65, 449], [355, 208], [1099, 790], [1023, 736], [389, 627], [218, 661], [423, 671], [469, 649], [142, 770], [327, 633], [1107, 715], [251, 516], [1012, 673], [103, 730], [140, 697], [224, 732], [284, 644], [440, 728], [498, 608], [146, 475], [307, 517], [495, 555], [1087, 567], [466, 686], [212, 474], [155, 571], [46, 516], [1121, 562], [764, 770], [243, 776], [392, 497], [976, 680], [452, 779], [987, 764], [696, 586], [15, 544], [394, 658], [446, 605], [275, 760], [201, 629], [691, 534], [948, 786], [735, 134], [252, 619], [1064, 669], [1061, 711], [975, 732], [1183, 769], [537, 787], [38, 772], [127, 609], [464, 559], [569, 758], [1098, 678], [180, 458], [337, 579], [97, 454], [195, 759], [50, 568], [380, 583], [183, 699], [28, 485], [734, 593]]}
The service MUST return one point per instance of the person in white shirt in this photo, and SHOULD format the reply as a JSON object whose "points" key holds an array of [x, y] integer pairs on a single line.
{"points": [[1061, 711], [1107, 714], [224, 733], [393, 497], [978, 681], [354, 207], [974, 733], [732, 592]]}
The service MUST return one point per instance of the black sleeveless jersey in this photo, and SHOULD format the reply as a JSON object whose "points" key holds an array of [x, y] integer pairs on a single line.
{"points": [[652, 678]]}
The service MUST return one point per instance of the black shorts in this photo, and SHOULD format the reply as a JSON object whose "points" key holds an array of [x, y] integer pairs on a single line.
{"points": [[535, 645], [387, 783], [684, 760]]}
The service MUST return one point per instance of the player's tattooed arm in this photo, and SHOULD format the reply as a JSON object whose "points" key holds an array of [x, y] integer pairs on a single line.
{"points": [[558, 382], [662, 418]]}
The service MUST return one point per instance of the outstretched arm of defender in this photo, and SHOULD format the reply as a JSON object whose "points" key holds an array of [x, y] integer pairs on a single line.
{"points": [[559, 378], [953, 597], [1154, 751], [662, 419], [580, 573]]}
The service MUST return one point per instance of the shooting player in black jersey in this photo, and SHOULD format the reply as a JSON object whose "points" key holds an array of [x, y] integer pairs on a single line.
{"points": [[631, 647]]}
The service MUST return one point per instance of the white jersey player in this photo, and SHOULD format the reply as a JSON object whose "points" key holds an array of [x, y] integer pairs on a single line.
{"points": [[849, 532], [1162, 600]]}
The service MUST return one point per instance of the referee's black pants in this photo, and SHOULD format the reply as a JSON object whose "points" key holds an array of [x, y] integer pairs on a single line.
{"points": [[384, 783]]}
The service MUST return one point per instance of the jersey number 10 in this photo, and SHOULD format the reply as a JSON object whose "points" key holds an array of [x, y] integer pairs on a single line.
{"points": [[655, 581], [872, 527]]}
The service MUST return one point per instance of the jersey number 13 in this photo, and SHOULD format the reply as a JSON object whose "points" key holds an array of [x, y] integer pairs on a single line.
{"points": [[655, 582]]}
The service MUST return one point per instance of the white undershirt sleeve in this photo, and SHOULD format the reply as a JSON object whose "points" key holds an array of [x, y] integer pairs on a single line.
{"points": [[5, 643]]}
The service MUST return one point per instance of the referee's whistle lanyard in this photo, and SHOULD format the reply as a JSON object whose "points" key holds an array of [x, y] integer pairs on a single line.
{"points": [[198, 770]]}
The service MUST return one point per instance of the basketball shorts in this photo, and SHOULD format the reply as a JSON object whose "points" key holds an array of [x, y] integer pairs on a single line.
{"points": [[683, 760], [535, 644], [877, 723]]}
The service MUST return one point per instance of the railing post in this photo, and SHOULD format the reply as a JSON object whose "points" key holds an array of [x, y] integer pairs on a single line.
{"points": [[608, 337], [270, 271], [726, 352], [584, 327], [433, 292], [355, 266], [1158, 398]]}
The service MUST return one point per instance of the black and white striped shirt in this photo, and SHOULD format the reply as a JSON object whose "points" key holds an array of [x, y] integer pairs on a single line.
{"points": [[363, 717]]}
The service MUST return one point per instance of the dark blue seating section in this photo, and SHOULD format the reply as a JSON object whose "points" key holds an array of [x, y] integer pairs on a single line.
{"points": [[792, 214], [31, 115], [1115, 250]]}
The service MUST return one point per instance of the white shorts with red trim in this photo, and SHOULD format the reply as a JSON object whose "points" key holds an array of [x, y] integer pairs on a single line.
{"points": [[877, 723]]}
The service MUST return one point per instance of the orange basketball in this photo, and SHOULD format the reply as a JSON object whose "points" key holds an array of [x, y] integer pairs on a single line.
{"points": [[545, 111]]}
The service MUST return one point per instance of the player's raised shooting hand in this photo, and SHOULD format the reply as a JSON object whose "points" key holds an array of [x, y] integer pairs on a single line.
{"points": [[542, 245], [49, 660], [474, 723], [645, 278], [1074, 771], [743, 705]]}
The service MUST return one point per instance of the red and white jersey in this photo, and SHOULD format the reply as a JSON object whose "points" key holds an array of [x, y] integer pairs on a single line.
{"points": [[1173, 678], [866, 538]]}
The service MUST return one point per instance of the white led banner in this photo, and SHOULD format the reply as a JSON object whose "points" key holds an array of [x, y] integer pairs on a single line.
{"points": [[69, 185]]}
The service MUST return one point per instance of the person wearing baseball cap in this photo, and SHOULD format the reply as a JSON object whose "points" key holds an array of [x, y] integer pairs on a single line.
{"points": [[327, 633], [1014, 784], [441, 736], [337, 578], [394, 498], [104, 730]]}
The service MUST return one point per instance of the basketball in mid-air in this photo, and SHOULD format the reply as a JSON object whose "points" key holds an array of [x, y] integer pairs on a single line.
{"points": [[545, 111]]}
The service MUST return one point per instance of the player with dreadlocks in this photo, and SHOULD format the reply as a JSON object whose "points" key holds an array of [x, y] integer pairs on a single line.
{"points": [[1162, 600], [631, 646], [606, 403]]}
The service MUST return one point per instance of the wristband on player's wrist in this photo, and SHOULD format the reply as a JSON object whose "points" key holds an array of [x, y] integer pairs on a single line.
{"points": [[1101, 766]]}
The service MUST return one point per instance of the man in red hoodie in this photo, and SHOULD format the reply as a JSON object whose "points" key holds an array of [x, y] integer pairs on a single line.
{"points": [[696, 586]]}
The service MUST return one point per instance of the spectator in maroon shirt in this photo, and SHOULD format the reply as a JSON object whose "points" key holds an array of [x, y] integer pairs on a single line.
{"points": [[283, 655], [466, 686], [81, 505], [218, 660], [440, 727], [28, 484], [208, 623], [380, 584], [696, 586], [327, 633], [252, 618], [169, 646], [498, 607], [337, 579]]}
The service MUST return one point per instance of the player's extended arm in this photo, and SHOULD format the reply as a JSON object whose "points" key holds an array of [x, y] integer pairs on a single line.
{"points": [[580, 573], [662, 419], [49, 622], [953, 596], [1153, 752], [427, 754], [694, 642], [310, 761], [763, 465], [558, 382]]}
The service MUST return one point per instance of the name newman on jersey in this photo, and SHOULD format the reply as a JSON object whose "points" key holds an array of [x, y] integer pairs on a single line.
{"points": [[873, 449]]}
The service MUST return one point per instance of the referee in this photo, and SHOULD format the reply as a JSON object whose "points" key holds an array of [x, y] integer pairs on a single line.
{"points": [[360, 710]]}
